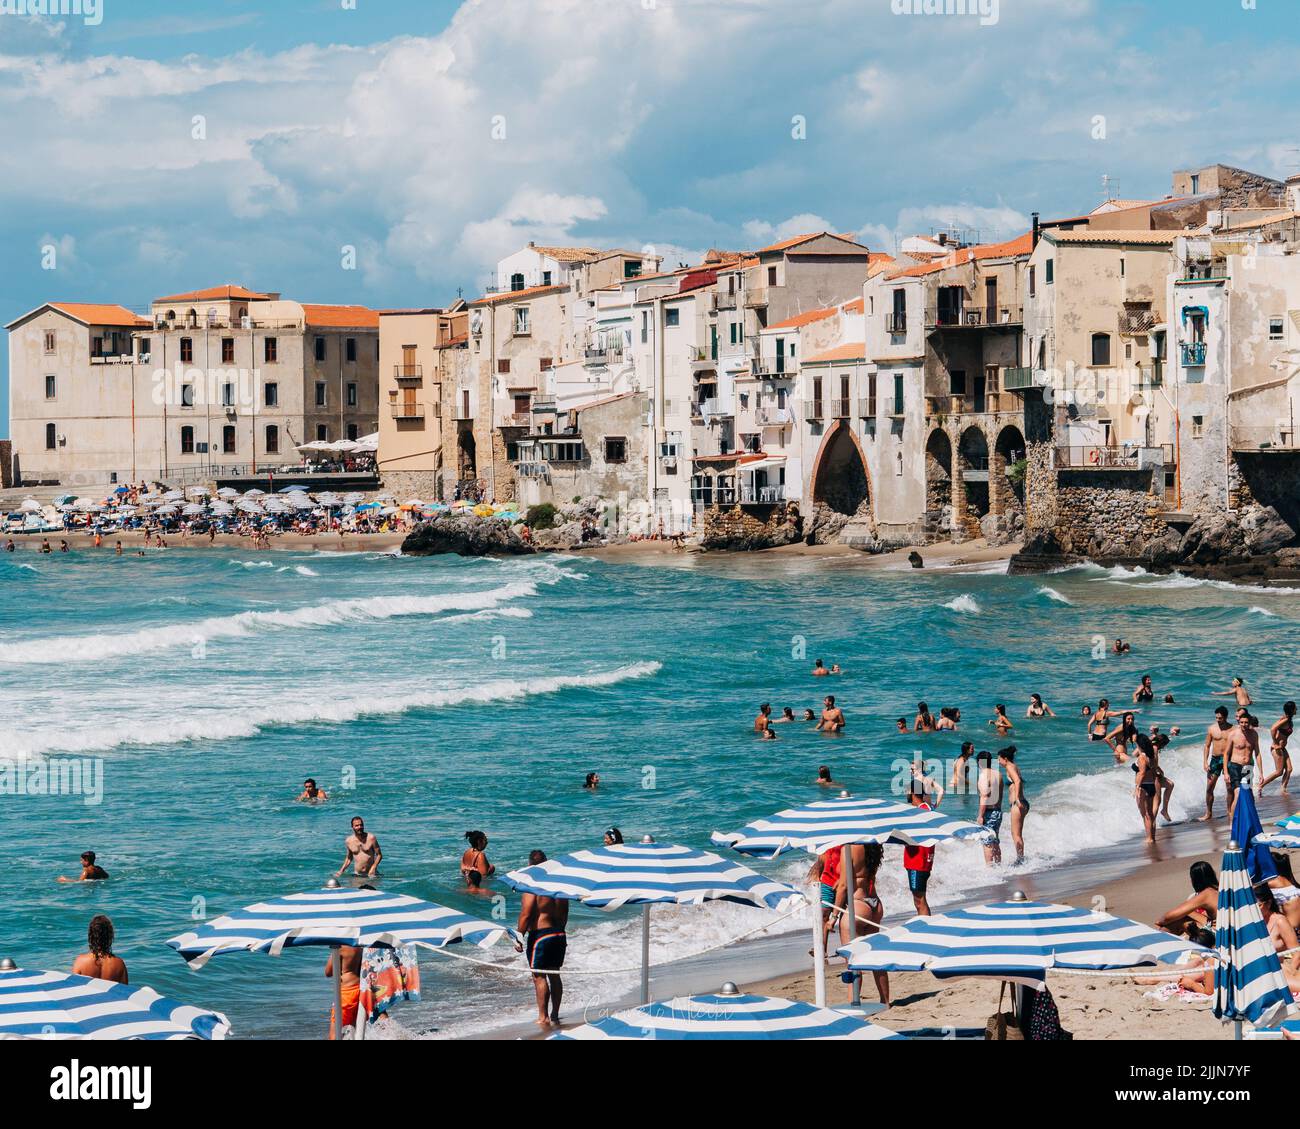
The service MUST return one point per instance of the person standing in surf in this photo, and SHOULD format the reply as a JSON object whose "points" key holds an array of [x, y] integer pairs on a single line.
{"points": [[1238, 691], [1213, 755], [1281, 733], [1242, 756], [1016, 796]]}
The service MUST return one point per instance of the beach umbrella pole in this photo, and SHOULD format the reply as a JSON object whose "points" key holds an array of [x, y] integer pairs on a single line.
{"points": [[819, 948], [645, 953]]}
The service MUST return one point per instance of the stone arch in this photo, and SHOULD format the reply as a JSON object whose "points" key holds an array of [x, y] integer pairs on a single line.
{"points": [[467, 455], [1007, 496], [840, 479], [938, 480], [973, 458]]}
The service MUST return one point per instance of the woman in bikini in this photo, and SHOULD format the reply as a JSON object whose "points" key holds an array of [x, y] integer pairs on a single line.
{"points": [[1285, 890], [865, 858], [1282, 730], [1119, 738], [474, 862], [1017, 799], [1038, 707], [1201, 910], [1000, 721], [1146, 784], [1098, 720], [924, 719], [1283, 935]]}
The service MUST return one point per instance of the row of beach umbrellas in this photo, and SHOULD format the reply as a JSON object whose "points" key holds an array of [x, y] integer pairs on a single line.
{"points": [[1016, 940]]}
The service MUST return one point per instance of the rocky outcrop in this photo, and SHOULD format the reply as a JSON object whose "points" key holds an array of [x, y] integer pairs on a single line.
{"points": [[739, 529], [466, 536], [579, 523]]}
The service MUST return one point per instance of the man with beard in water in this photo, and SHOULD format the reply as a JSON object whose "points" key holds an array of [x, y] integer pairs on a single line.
{"points": [[1212, 758], [1243, 756]]}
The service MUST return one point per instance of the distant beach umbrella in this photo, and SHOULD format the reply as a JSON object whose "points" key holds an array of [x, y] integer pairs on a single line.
{"points": [[254, 493], [194, 509], [30, 506], [334, 916], [732, 1015], [1017, 940], [227, 492], [173, 496], [197, 491], [57, 1005], [1248, 983], [647, 873]]}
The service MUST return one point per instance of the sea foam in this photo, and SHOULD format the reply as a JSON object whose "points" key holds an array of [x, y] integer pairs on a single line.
{"points": [[964, 603]]}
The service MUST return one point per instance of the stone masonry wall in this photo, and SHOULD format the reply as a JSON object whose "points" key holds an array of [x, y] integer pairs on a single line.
{"points": [[407, 484], [750, 526], [1108, 513]]}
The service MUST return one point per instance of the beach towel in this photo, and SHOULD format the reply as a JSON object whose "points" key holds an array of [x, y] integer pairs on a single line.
{"points": [[388, 976]]}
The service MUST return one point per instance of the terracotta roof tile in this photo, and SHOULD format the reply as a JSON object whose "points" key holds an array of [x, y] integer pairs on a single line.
{"points": [[230, 292], [96, 313], [342, 317], [516, 295], [853, 351], [807, 318]]}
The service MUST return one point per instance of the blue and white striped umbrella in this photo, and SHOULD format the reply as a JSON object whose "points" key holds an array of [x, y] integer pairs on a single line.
{"points": [[820, 826], [729, 1015], [1015, 940], [1248, 981], [58, 1005], [333, 916], [647, 873]]}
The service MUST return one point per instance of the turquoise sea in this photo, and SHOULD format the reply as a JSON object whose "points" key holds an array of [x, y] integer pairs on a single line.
{"points": [[433, 696]]}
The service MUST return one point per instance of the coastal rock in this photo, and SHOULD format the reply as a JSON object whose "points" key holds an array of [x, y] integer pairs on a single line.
{"points": [[1264, 531], [570, 535], [1214, 541], [824, 527], [466, 536], [1164, 551]]}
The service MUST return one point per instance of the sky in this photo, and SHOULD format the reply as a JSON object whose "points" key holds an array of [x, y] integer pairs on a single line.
{"points": [[160, 147]]}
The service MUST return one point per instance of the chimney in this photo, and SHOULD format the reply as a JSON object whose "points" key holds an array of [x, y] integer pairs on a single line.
{"points": [[1038, 231]]}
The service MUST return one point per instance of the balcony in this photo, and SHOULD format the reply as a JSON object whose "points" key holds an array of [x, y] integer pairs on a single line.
{"points": [[600, 355], [989, 403], [770, 367], [1017, 379], [760, 296], [407, 411], [773, 416], [1111, 458], [1281, 438], [896, 323], [762, 495], [841, 409], [723, 301], [516, 419], [867, 408], [1137, 323], [1192, 353], [462, 414], [973, 317], [408, 374], [812, 410]]}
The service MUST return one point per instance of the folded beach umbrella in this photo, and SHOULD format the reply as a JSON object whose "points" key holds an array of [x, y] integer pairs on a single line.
{"points": [[227, 492], [646, 873], [57, 1005], [1018, 940], [729, 1014], [1248, 982], [334, 916]]}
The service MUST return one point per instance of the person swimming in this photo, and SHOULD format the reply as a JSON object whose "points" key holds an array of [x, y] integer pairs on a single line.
{"points": [[924, 719], [1038, 707], [824, 776], [819, 669], [1144, 692], [1000, 721], [474, 865], [592, 782], [832, 720]]}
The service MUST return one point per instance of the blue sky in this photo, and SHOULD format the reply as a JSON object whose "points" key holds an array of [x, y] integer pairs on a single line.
{"points": [[626, 122]]}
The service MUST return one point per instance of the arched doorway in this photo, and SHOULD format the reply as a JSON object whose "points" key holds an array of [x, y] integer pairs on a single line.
{"points": [[973, 451], [1008, 484], [938, 480], [840, 477], [467, 460]]}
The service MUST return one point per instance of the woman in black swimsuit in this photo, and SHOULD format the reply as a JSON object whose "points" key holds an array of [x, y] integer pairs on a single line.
{"points": [[1097, 721], [1147, 768], [1144, 692], [1124, 734], [1281, 731]]}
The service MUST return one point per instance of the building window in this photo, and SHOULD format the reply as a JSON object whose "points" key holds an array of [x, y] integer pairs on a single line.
{"points": [[615, 449], [516, 282], [143, 347], [645, 327], [49, 341], [1049, 271], [957, 382], [521, 320], [272, 439], [546, 278], [631, 268], [352, 394], [187, 395], [228, 439], [51, 437], [227, 395], [352, 432], [544, 363], [227, 350], [1033, 286], [1198, 427], [871, 395], [503, 366], [187, 440], [270, 350], [1100, 350], [1276, 329], [272, 394], [187, 350], [672, 318], [51, 387], [898, 463], [320, 349], [322, 433], [350, 346], [1196, 184], [320, 393], [898, 393], [771, 276]]}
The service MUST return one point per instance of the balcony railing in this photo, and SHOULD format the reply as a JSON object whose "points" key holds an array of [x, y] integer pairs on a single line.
{"points": [[1111, 458], [1017, 379], [1193, 353], [408, 374], [407, 411], [973, 317], [896, 323], [710, 406], [760, 295], [812, 410], [462, 414], [1135, 323], [867, 408], [769, 366], [762, 495], [773, 417], [841, 409], [990, 402], [1282, 437], [722, 301]]}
